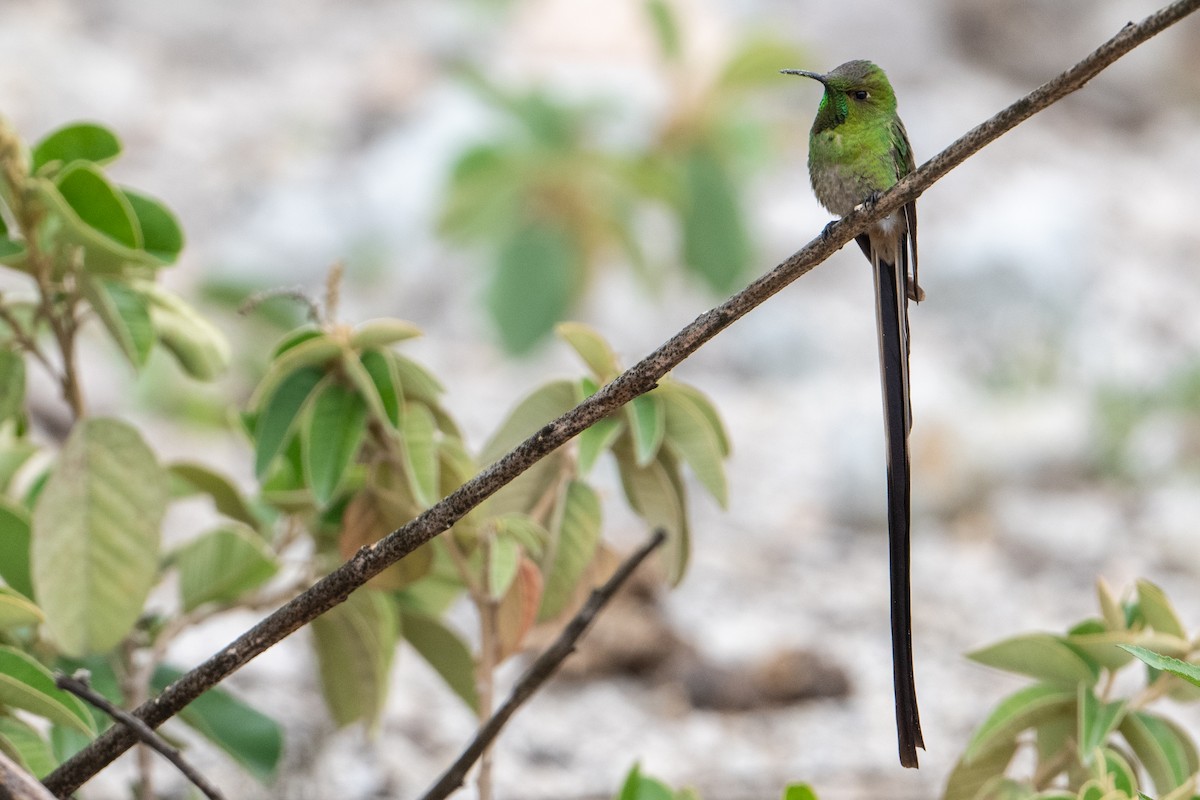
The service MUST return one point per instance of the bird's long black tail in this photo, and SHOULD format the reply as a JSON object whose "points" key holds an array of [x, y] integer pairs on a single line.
{"points": [[891, 304]]}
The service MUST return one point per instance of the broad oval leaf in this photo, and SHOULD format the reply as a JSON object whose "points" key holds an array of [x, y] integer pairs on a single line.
{"points": [[99, 204], [1166, 753], [24, 683], [503, 558], [417, 382], [335, 428], [250, 737], [386, 380], [355, 643], [445, 651], [85, 141], [518, 609], [675, 392], [1157, 610], [198, 346], [314, 351], [1039, 655], [691, 435], [26, 746], [536, 276], [96, 535], [573, 547], [968, 778], [162, 237], [716, 245], [655, 497], [222, 565]]}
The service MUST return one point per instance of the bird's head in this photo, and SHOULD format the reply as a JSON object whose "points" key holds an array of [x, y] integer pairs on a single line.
{"points": [[857, 91]]}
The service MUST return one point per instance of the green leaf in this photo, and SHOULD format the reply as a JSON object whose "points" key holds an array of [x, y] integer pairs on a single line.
{"points": [[531, 414], [418, 383], [537, 272], [14, 547], [386, 379], [799, 791], [523, 530], [1166, 753], [96, 536], [12, 384], [655, 497], [597, 440], [969, 777], [198, 346], [1096, 721], [355, 643], [17, 610], [381, 333], [26, 746], [576, 535], [666, 28], [648, 424], [26, 684], [79, 140], [716, 245], [676, 393], [1124, 776], [1183, 669], [445, 652], [99, 203], [689, 432], [252, 738], [227, 499], [312, 351], [503, 558], [640, 787], [1041, 656], [1157, 610], [273, 429], [162, 237], [222, 565], [335, 429], [592, 348], [126, 316], [1027, 708], [1110, 607], [417, 428]]}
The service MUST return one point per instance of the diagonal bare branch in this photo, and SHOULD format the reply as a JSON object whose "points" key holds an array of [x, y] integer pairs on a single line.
{"points": [[637, 380]]}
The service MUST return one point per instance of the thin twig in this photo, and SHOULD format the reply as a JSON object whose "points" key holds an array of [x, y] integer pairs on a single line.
{"points": [[78, 686], [637, 380], [540, 670]]}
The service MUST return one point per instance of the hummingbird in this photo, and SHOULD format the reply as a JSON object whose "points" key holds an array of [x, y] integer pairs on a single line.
{"points": [[857, 149]]}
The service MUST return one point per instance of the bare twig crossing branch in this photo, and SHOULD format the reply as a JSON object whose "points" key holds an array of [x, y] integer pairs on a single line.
{"points": [[639, 379], [78, 686], [540, 671]]}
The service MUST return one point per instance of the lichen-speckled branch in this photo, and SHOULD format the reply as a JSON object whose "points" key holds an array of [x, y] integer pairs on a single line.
{"points": [[369, 561]]}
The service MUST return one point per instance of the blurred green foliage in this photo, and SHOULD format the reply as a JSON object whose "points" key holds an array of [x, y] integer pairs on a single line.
{"points": [[549, 204]]}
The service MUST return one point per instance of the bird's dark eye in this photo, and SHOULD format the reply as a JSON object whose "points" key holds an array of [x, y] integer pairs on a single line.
{"points": [[861, 94]]}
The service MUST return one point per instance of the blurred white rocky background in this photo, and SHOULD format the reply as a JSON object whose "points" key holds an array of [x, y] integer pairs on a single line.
{"points": [[1055, 439]]}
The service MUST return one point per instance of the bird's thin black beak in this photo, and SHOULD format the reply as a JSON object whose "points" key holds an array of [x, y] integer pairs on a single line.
{"points": [[816, 76]]}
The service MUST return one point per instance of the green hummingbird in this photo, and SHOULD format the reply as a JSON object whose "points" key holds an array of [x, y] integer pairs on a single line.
{"points": [[857, 149]]}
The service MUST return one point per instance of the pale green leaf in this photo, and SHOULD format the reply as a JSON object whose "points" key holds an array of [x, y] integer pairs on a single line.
{"points": [[690, 434], [17, 610], [573, 547], [125, 315], [678, 393], [1157, 610], [597, 439], [655, 497], [222, 565], [523, 530], [1096, 721], [96, 536], [1020, 711], [196, 478], [26, 684], [12, 384], [312, 353], [381, 333], [503, 558], [198, 345], [592, 348], [418, 435], [531, 414], [445, 651], [969, 777], [1039, 655], [417, 382], [386, 378], [355, 643], [15, 546], [26, 746], [1166, 753], [1110, 606]]}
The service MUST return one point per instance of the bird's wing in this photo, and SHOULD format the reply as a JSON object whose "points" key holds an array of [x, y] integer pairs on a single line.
{"points": [[906, 163]]}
